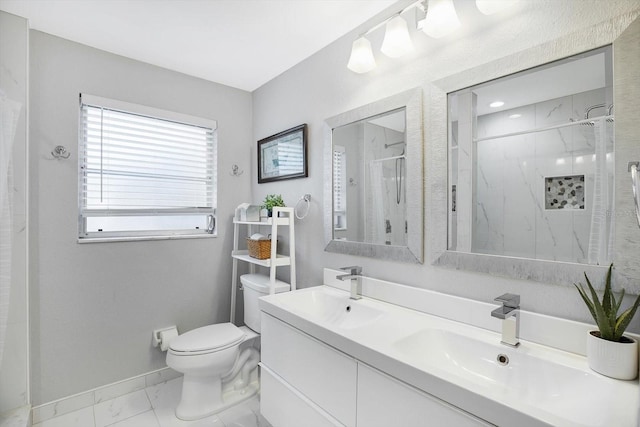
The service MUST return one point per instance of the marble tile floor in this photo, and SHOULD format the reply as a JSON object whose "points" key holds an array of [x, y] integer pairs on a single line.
{"points": [[154, 407]]}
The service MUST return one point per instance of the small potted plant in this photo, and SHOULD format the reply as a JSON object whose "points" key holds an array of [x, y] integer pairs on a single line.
{"points": [[609, 352], [271, 201]]}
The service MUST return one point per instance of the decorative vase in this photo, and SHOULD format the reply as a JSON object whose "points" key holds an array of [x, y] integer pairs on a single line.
{"points": [[614, 359]]}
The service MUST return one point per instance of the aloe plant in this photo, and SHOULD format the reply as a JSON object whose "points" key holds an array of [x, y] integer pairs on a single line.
{"points": [[605, 313]]}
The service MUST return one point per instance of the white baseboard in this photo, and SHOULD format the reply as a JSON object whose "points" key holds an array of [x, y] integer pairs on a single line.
{"points": [[100, 394]]}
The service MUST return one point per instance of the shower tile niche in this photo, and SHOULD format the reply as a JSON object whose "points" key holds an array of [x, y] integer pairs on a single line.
{"points": [[564, 192]]}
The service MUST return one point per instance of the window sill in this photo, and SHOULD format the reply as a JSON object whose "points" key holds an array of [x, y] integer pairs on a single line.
{"points": [[140, 238]]}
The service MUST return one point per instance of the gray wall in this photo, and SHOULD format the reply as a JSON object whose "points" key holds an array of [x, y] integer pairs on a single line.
{"points": [[95, 305], [322, 86], [14, 35]]}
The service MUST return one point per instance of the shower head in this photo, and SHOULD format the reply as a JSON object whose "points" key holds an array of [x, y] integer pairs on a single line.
{"points": [[591, 108]]}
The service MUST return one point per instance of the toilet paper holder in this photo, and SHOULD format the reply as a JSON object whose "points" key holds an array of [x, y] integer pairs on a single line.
{"points": [[161, 337]]}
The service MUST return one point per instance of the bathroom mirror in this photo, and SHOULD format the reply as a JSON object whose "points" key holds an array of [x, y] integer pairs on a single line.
{"points": [[499, 177], [373, 177], [531, 163]]}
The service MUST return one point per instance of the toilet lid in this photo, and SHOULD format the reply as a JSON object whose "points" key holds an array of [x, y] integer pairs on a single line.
{"points": [[208, 338]]}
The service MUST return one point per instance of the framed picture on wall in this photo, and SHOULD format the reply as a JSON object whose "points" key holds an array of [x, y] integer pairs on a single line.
{"points": [[283, 156]]}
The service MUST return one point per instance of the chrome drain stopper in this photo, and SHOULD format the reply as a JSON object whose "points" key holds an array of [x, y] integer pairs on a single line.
{"points": [[503, 359]]}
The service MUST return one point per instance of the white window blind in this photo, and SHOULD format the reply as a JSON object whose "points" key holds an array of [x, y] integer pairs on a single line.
{"points": [[339, 179], [339, 187], [144, 171]]}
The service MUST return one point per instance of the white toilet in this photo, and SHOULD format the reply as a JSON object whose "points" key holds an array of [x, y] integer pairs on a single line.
{"points": [[220, 361]]}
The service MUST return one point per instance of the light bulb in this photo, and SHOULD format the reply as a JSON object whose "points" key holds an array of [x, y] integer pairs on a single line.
{"points": [[361, 59], [441, 18], [397, 41], [489, 7]]}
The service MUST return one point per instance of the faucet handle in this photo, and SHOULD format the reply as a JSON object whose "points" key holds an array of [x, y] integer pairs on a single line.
{"points": [[509, 300], [353, 270]]}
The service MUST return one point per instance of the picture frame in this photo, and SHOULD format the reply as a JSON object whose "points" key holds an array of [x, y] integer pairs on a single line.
{"points": [[283, 155]]}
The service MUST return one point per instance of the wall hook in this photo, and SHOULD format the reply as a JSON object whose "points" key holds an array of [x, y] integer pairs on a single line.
{"points": [[60, 152], [235, 171]]}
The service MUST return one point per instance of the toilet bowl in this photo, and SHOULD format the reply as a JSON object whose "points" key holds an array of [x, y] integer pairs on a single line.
{"points": [[219, 362]]}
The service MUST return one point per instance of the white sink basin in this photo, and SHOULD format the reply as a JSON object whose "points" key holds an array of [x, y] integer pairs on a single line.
{"points": [[545, 380], [330, 308]]}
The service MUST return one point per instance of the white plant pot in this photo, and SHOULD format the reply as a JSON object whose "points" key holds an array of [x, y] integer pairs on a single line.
{"points": [[614, 359]]}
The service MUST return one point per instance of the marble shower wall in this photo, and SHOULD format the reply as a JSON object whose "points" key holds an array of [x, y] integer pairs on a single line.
{"points": [[395, 214], [510, 215]]}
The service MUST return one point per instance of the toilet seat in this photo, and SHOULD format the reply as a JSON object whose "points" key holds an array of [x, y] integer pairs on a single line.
{"points": [[207, 339]]}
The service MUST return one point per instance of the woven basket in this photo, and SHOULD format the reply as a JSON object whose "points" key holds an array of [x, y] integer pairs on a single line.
{"points": [[260, 249]]}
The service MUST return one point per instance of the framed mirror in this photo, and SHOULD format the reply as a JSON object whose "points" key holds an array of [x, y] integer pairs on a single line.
{"points": [[531, 162], [487, 165], [373, 177]]}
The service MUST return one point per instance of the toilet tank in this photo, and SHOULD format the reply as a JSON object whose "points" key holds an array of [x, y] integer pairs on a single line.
{"points": [[256, 286]]}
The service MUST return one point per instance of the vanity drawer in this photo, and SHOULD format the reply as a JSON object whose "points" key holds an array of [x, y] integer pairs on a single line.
{"points": [[384, 401], [284, 406], [324, 375]]}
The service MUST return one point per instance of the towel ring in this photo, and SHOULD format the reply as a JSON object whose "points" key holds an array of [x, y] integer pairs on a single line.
{"points": [[303, 203]]}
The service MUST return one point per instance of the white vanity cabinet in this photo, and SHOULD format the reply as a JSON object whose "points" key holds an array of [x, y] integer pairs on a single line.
{"points": [[318, 372], [306, 382], [384, 401]]}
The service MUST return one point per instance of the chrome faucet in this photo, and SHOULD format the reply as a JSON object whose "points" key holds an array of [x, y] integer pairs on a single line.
{"points": [[355, 275], [509, 312]]}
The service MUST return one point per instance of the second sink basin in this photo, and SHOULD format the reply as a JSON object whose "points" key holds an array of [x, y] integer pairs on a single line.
{"points": [[523, 374]]}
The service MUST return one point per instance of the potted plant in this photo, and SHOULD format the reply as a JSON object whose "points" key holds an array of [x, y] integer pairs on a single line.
{"points": [[271, 201], [609, 352]]}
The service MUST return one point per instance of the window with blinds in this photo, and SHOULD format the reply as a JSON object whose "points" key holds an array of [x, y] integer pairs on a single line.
{"points": [[339, 187], [144, 172]]}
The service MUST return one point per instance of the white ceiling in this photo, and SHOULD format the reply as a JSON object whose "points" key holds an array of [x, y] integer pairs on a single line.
{"points": [[239, 43], [573, 75], [581, 74]]}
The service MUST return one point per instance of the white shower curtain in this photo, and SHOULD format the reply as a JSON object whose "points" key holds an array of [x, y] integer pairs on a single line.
{"points": [[601, 234], [9, 113]]}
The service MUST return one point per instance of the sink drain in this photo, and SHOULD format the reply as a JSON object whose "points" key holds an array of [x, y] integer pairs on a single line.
{"points": [[348, 308], [503, 359]]}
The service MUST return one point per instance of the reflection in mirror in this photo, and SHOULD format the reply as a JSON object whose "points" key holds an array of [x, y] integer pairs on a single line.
{"points": [[531, 163], [369, 165], [373, 176]]}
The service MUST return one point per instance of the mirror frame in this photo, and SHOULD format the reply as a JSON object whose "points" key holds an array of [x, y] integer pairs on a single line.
{"points": [[436, 135], [411, 100]]}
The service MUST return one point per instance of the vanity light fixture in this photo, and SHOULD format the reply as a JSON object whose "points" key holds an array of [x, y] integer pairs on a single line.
{"points": [[515, 116], [361, 59], [489, 7], [397, 41], [496, 104], [441, 19]]}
